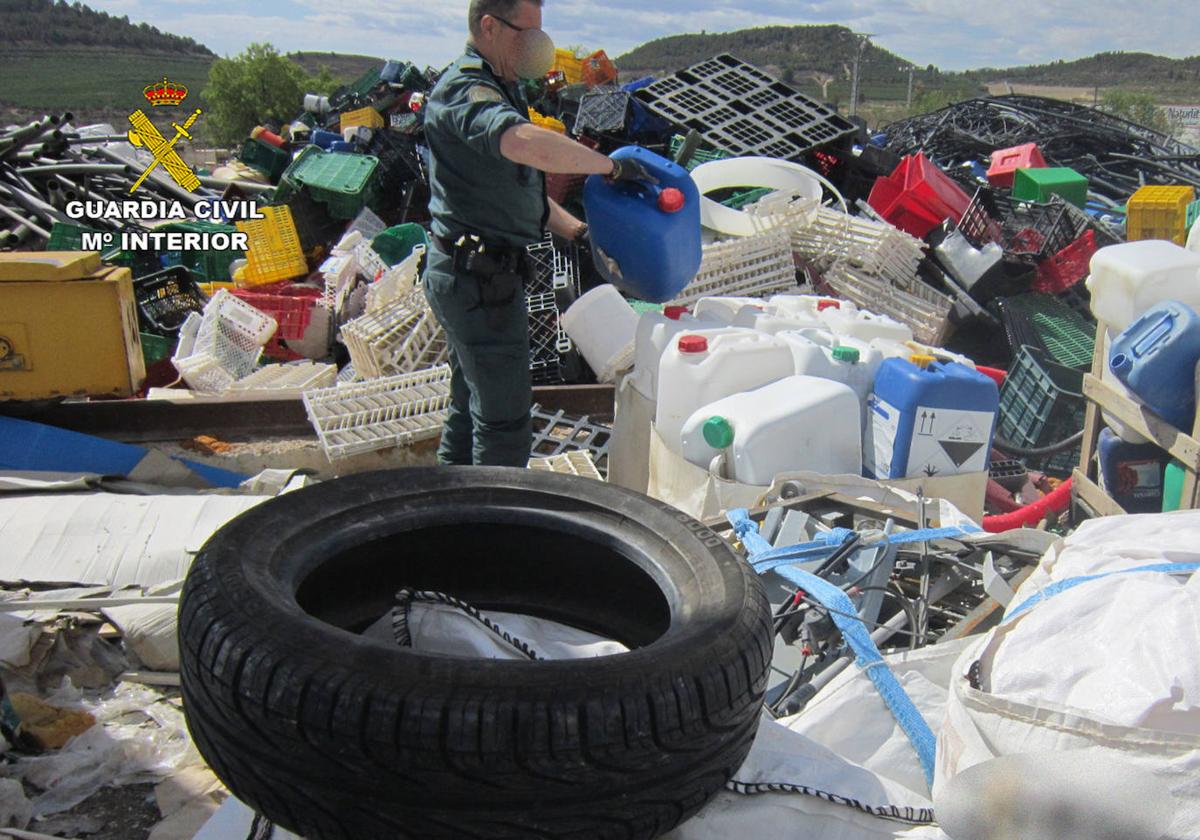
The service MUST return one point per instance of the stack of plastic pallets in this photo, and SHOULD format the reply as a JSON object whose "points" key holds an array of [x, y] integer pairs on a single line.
{"points": [[751, 265], [380, 413], [402, 337], [554, 287], [285, 381], [743, 111], [924, 309]]}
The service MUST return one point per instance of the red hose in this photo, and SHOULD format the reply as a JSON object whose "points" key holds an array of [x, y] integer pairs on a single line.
{"points": [[1031, 514]]}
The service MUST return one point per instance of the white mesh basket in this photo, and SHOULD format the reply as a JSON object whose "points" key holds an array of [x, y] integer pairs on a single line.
{"points": [[223, 345], [288, 378], [747, 266], [402, 337], [366, 416]]}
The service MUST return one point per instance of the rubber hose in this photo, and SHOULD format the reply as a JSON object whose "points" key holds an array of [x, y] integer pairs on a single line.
{"points": [[1031, 514], [1013, 449]]}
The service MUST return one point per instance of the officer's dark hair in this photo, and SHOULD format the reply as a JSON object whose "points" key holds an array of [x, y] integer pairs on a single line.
{"points": [[495, 8]]}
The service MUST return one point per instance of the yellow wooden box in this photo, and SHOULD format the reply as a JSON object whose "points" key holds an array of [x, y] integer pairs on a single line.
{"points": [[69, 337]]}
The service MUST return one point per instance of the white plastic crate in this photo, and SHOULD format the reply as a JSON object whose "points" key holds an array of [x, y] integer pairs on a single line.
{"points": [[578, 463], [296, 378], [876, 247], [748, 266], [924, 309], [395, 282], [223, 345], [366, 416], [402, 337]]}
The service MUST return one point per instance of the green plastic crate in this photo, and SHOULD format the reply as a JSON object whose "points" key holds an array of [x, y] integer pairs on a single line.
{"points": [[261, 156], [1193, 213], [698, 157], [1042, 403], [396, 243], [739, 200], [68, 237], [1066, 335], [1041, 183], [342, 181], [206, 266], [155, 348], [364, 83]]}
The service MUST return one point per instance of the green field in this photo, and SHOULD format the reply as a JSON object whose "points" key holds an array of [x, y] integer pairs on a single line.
{"points": [[92, 79]]}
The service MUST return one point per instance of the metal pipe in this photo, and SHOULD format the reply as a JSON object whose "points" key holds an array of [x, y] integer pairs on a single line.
{"points": [[32, 203], [163, 183], [17, 217], [74, 169], [248, 186]]}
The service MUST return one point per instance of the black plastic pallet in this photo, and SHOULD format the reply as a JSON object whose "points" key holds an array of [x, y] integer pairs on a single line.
{"points": [[743, 111], [604, 109]]}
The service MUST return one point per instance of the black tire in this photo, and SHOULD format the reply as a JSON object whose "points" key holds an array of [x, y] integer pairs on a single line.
{"points": [[339, 737]]}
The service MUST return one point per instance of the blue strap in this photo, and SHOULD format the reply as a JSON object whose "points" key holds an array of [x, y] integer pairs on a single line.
{"points": [[1061, 586], [771, 558], [867, 656]]}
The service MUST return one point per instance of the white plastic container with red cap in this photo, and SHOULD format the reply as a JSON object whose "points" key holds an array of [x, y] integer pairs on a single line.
{"points": [[655, 330], [799, 423], [785, 312], [828, 356], [698, 369]]}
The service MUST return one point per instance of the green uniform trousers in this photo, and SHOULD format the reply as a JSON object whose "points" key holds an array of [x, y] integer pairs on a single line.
{"points": [[490, 388]]}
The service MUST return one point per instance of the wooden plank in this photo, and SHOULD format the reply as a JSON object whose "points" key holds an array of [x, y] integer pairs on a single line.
{"points": [[1188, 496], [987, 615], [720, 523], [1090, 493], [1091, 423], [1139, 418]]}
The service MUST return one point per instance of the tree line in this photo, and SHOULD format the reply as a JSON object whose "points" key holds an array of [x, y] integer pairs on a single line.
{"points": [[57, 23]]}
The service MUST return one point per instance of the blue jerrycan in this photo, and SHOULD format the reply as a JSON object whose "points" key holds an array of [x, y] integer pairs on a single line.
{"points": [[1155, 357], [645, 237]]}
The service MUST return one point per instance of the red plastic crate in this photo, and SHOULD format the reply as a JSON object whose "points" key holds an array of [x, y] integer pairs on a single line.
{"points": [[1006, 162], [918, 196], [1061, 271], [290, 305]]}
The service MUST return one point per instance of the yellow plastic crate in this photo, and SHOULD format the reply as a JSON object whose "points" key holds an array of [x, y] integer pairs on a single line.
{"points": [[274, 253], [212, 288], [363, 116], [1157, 212], [570, 66], [547, 122]]}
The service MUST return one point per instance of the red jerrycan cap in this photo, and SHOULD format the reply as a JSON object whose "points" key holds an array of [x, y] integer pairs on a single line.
{"points": [[671, 200], [822, 305], [675, 312], [693, 344]]}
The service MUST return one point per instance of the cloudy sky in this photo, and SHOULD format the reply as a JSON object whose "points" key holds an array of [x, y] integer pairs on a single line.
{"points": [[953, 34]]}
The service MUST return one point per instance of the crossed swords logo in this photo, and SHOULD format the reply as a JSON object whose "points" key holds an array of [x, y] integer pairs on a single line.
{"points": [[144, 134]]}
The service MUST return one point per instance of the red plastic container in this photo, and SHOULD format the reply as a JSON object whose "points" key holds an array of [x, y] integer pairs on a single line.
{"points": [[1006, 162], [918, 196], [290, 305], [1061, 271]]}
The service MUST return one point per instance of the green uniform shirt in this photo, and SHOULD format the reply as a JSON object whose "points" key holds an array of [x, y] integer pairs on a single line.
{"points": [[474, 189]]}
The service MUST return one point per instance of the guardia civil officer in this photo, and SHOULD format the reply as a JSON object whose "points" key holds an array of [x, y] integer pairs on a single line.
{"points": [[488, 202]]}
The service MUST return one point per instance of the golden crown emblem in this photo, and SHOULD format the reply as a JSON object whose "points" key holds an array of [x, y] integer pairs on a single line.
{"points": [[165, 93]]}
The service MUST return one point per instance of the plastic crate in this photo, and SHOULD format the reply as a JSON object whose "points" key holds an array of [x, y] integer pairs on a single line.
{"points": [[68, 237], [551, 123], [394, 411], [155, 348], [1157, 212], [395, 244], [751, 265], [261, 156], [342, 181], [1041, 403], [1062, 270], [287, 380], [925, 310], [598, 69], [395, 282], [402, 337], [223, 345], [1006, 162], [603, 110], [1040, 184], [577, 463], [165, 298], [744, 111], [315, 227], [571, 67], [206, 266], [292, 308], [1193, 214], [875, 247], [366, 117], [274, 253], [699, 156], [1048, 324]]}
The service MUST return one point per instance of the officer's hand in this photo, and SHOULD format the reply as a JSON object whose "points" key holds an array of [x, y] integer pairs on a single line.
{"points": [[630, 169]]}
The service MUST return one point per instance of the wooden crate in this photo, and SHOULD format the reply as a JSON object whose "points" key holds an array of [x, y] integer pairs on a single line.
{"points": [[1185, 447]]}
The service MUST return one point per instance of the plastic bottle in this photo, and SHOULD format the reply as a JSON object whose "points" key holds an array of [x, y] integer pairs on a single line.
{"points": [[655, 330], [1132, 473], [796, 423], [1155, 358], [697, 369], [846, 360], [929, 418], [1129, 278]]}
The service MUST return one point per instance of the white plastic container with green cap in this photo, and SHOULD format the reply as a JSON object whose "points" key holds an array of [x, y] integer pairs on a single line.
{"points": [[697, 369], [846, 360], [799, 423]]}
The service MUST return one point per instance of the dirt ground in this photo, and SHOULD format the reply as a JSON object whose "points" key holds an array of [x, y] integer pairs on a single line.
{"points": [[114, 813]]}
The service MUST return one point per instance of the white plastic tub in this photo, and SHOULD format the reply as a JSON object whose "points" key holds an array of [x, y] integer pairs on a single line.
{"points": [[603, 326], [1129, 278]]}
